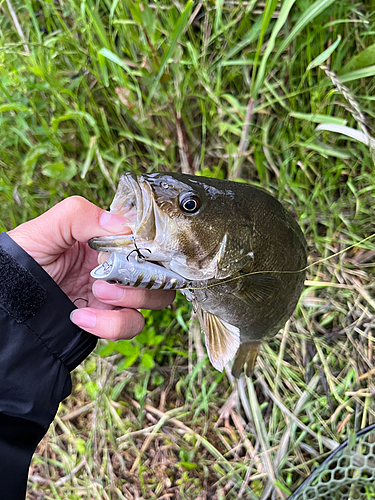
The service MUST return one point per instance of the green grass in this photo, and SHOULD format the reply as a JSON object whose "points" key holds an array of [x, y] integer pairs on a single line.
{"points": [[233, 90]]}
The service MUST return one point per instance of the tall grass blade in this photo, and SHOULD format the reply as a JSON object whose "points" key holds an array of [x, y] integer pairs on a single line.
{"points": [[180, 26], [358, 74], [267, 15], [348, 131], [78, 116], [324, 55], [361, 60], [260, 429], [251, 36], [316, 118], [270, 45], [92, 13], [309, 15], [108, 54]]}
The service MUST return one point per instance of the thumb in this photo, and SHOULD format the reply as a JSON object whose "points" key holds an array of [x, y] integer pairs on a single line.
{"points": [[73, 219]]}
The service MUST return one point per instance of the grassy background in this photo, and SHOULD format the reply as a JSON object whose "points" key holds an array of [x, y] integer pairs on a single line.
{"points": [[228, 89]]}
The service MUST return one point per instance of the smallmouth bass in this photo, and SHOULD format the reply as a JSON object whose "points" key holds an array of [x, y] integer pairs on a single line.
{"points": [[232, 249]]}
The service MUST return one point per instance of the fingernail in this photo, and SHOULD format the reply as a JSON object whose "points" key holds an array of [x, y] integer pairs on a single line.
{"points": [[83, 318], [114, 223], [102, 257], [105, 291]]}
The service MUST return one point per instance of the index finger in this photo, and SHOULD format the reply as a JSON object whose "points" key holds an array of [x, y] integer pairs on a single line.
{"points": [[73, 219]]}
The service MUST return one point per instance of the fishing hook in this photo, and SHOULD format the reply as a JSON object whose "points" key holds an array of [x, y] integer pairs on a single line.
{"points": [[141, 258]]}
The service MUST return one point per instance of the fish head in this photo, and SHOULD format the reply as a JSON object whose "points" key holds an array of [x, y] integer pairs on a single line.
{"points": [[181, 220]]}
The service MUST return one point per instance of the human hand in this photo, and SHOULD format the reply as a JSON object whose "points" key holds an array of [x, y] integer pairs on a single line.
{"points": [[57, 240]]}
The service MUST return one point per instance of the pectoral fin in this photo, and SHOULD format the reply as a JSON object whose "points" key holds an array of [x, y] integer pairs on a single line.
{"points": [[247, 355], [258, 288], [222, 339]]}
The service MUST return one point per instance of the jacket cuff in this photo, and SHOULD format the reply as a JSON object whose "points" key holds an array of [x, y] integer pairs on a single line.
{"points": [[30, 296]]}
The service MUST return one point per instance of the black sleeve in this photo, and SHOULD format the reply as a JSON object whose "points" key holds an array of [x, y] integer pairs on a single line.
{"points": [[39, 346]]}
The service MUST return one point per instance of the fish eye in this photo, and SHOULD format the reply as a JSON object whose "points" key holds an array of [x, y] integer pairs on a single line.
{"points": [[190, 203]]}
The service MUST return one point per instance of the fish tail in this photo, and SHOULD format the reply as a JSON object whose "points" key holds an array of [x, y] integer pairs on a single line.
{"points": [[246, 355]]}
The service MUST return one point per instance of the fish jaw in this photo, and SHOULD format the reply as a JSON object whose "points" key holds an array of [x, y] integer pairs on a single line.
{"points": [[128, 200], [111, 244], [133, 201]]}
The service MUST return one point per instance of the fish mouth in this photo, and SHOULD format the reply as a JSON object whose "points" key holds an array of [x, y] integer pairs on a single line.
{"points": [[134, 201]]}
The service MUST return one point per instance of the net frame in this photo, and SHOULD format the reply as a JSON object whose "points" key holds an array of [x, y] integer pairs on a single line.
{"points": [[347, 474]]}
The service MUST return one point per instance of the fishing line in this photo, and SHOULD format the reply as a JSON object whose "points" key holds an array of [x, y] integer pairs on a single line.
{"points": [[287, 272]]}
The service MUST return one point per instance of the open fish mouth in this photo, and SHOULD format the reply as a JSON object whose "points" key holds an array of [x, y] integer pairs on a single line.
{"points": [[134, 201], [128, 200]]}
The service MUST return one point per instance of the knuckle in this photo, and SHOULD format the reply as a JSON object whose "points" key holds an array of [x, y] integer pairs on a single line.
{"points": [[153, 299], [118, 326], [127, 324], [114, 336], [137, 298], [166, 298], [143, 297], [74, 203]]}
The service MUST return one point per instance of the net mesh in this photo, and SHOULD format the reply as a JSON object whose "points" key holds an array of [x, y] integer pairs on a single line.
{"points": [[347, 474]]}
